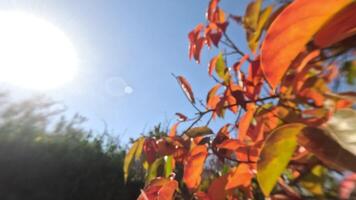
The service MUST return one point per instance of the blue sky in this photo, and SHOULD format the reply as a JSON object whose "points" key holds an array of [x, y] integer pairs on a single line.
{"points": [[137, 42]]}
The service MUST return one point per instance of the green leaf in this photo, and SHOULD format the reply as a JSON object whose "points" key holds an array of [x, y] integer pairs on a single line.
{"points": [[129, 156], [199, 131], [275, 155], [252, 12], [349, 71], [221, 69], [139, 149], [314, 181], [168, 166], [254, 36], [335, 144], [152, 170]]}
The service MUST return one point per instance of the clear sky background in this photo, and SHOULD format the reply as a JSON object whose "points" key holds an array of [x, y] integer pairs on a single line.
{"points": [[135, 43]]}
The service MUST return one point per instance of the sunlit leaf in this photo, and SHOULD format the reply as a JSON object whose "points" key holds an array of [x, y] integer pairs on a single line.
{"points": [[245, 121], [239, 176], [139, 149], [186, 88], [275, 155], [193, 166], [130, 155], [199, 131], [173, 130], [341, 26], [159, 188], [221, 69], [168, 166], [252, 12], [153, 169], [291, 31], [212, 65]]}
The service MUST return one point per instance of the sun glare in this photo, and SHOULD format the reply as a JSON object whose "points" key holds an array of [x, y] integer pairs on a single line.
{"points": [[34, 54]]}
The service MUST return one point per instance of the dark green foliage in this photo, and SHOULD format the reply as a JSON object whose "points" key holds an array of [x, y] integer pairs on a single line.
{"points": [[63, 162]]}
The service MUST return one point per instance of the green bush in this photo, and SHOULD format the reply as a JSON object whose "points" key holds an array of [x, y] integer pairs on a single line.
{"points": [[40, 159]]}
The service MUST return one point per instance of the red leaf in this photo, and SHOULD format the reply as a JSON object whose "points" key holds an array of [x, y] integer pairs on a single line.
{"points": [[197, 49], [182, 117], [193, 166], [195, 42], [186, 88], [216, 190], [150, 149], [341, 26], [283, 42]]}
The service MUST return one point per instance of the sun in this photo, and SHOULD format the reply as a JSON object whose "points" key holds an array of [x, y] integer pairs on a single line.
{"points": [[34, 54]]}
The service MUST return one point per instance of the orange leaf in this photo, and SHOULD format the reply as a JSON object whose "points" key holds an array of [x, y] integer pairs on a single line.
{"points": [[159, 188], [173, 130], [341, 26], [240, 176], [186, 88], [291, 31], [246, 120], [211, 9], [313, 95], [212, 65], [230, 144], [193, 166]]}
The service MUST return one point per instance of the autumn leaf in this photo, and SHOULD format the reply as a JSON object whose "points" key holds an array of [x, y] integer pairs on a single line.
{"points": [[199, 131], [159, 188], [341, 26], [275, 155], [181, 117], [284, 42], [221, 69], [216, 190], [239, 176], [252, 12], [173, 130], [334, 144], [186, 88], [149, 150], [245, 121], [212, 65], [136, 147], [193, 166]]}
